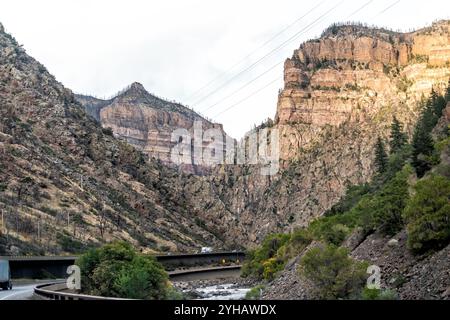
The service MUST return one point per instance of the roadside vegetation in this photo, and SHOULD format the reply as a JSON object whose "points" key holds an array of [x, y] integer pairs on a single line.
{"points": [[410, 190], [116, 270]]}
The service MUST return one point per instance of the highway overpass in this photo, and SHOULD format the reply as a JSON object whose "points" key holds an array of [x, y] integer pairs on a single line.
{"points": [[52, 267]]}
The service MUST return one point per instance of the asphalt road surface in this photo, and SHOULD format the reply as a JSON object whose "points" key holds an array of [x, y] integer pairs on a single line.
{"points": [[22, 290]]}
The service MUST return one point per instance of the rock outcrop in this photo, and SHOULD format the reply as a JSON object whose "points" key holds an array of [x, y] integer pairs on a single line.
{"points": [[148, 122], [357, 75], [341, 92], [425, 277], [67, 184]]}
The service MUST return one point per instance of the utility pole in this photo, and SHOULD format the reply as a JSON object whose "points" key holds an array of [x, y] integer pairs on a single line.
{"points": [[68, 219], [81, 182], [3, 223], [39, 231]]}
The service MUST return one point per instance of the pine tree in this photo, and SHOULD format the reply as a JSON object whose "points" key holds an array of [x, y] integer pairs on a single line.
{"points": [[437, 103], [422, 145], [398, 138], [447, 94], [381, 158]]}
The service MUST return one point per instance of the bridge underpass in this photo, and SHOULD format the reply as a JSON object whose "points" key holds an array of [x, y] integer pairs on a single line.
{"points": [[56, 267]]}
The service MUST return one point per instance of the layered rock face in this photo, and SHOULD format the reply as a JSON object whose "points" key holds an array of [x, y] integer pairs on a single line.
{"points": [[358, 75], [341, 92], [67, 184], [148, 122]]}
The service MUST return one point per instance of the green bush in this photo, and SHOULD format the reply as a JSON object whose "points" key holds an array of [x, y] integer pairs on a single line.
{"points": [[271, 257], [257, 261], [299, 240], [352, 196], [378, 294], [389, 202], [271, 267], [254, 293], [377, 210], [143, 278], [115, 270], [68, 244], [334, 274], [428, 214], [334, 229]]}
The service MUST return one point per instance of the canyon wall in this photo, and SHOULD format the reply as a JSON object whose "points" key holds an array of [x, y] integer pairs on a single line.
{"points": [[341, 92], [148, 122]]}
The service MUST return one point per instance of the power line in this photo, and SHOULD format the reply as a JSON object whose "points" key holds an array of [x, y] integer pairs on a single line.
{"points": [[254, 51], [246, 85], [259, 90], [247, 97], [360, 8], [292, 38], [386, 9]]}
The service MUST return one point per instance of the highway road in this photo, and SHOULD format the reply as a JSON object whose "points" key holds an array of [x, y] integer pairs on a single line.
{"points": [[21, 291]]}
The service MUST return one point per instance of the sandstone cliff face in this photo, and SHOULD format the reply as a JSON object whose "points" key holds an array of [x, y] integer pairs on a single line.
{"points": [[354, 74], [147, 122], [341, 92]]}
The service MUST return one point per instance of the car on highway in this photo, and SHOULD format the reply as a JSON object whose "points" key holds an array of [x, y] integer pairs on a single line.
{"points": [[5, 275], [206, 250]]}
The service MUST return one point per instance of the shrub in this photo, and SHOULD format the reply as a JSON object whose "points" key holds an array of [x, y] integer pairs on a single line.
{"points": [[115, 270], [143, 278], [271, 267], [389, 202], [299, 240], [428, 214], [257, 264], [334, 274], [275, 251], [108, 131], [336, 228], [68, 244], [378, 294], [352, 196], [254, 293]]}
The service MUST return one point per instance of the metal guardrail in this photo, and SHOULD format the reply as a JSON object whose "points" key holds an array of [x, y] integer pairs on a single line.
{"points": [[158, 257], [50, 291], [53, 291], [203, 270], [39, 258]]}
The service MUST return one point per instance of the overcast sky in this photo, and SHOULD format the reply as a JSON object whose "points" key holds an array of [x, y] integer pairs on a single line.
{"points": [[176, 47]]}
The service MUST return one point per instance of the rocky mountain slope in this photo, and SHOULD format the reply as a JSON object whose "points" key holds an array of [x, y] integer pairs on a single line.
{"points": [[412, 277], [147, 122], [66, 183], [341, 92]]}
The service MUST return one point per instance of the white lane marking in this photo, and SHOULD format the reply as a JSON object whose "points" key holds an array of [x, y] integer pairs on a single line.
{"points": [[21, 291]]}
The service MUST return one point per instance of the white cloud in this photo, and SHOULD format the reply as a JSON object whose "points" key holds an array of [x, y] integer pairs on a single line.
{"points": [[174, 47]]}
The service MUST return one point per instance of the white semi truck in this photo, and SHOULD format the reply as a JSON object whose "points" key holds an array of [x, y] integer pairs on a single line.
{"points": [[5, 275]]}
